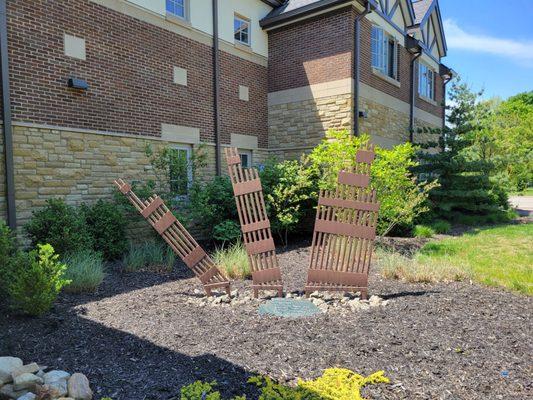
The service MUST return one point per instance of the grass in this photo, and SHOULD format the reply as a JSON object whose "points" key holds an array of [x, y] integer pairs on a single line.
{"points": [[151, 256], [525, 192], [496, 256], [442, 227], [423, 231], [86, 271], [233, 261]]}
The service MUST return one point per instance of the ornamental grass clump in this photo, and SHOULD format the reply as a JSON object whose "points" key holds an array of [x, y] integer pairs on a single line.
{"points": [[151, 256], [85, 270], [233, 261]]}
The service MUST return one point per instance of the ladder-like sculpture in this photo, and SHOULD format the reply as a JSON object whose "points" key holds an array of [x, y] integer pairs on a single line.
{"points": [[255, 225], [178, 238], [345, 229]]}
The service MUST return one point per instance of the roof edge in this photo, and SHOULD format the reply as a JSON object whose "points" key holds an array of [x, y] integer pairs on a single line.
{"points": [[302, 11], [273, 3]]}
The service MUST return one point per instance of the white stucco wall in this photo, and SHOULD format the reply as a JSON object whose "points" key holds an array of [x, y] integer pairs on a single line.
{"points": [[201, 18]]}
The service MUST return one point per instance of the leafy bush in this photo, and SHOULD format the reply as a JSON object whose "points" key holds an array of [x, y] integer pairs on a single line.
{"points": [[200, 391], [107, 226], [233, 261], [227, 231], [402, 199], [150, 255], [289, 192], [8, 243], [34, 280], [60, 225], [85, 270], [442, 227], [423, 231]]}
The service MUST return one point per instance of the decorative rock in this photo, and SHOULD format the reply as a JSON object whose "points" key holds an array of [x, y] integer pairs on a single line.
{"points": [[7, 366], [26, 381], [78, 387], [10, 393], [29, 368], [28, 396], [57, 388], [55, 375]]}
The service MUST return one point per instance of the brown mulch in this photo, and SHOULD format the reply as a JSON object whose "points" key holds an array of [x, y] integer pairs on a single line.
{"points": [[142, 336]]}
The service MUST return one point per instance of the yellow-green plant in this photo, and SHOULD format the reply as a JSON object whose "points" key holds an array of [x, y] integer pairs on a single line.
{"points": [[342, 384]]}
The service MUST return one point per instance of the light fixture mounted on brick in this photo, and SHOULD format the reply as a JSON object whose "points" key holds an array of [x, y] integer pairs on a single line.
{"points": [[77, 83]]}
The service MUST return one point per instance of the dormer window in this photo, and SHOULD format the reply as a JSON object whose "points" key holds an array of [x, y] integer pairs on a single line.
{"points": [[177, 8], [384, 53], [241, 29]]}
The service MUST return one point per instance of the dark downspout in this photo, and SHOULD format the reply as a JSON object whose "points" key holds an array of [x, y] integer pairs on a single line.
{"points": [[357, 66], [216, 89], [444, 83], [6, 114], [413, 98]]}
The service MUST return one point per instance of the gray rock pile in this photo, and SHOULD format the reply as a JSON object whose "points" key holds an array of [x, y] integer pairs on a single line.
{"points": [[325, 301], [33, 381]]}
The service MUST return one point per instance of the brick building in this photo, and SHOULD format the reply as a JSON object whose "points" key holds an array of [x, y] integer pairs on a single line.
{"points": [[87, 84]]}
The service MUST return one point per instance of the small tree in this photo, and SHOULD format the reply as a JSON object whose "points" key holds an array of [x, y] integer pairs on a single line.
{"points": [[465, 188]]}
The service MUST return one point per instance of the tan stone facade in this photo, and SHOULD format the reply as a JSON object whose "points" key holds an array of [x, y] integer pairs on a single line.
{"points": [[3, 214], [301, 125]]}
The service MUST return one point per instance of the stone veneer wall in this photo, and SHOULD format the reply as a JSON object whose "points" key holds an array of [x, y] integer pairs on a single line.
{"points": [[303, 124], [387, 127]]}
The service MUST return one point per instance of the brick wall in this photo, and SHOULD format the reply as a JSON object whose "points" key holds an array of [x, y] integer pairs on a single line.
{"points": [[129, 69], [314, 51]]}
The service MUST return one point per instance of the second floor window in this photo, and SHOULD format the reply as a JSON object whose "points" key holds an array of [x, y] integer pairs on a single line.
{"points": [[177, 8], [426, 81], [241, 29], [384, 53]]}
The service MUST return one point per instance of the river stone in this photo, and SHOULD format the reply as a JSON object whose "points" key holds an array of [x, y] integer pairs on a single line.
{"points": [[78, 387], [7, 366], [26, 381], [290, 308], [8, 392], [29, 369], [56, 388], [55, 375], [28, 396]]}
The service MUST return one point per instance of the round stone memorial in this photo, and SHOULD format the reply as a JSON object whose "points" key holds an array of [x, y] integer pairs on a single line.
{"points": [[289, 308]]}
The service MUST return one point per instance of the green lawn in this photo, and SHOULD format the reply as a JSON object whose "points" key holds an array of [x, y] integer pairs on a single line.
{"points": [[525, 192], [499, 256]]}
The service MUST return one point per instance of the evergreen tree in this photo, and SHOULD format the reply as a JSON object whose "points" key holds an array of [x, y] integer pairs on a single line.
{"points": [[466, 193]]}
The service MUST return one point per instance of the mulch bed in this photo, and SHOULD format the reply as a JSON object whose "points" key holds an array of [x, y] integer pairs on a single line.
{"points": [[141, 337]]}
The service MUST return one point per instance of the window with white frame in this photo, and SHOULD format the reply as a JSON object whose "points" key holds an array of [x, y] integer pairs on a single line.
{"points": [[177, 8], [180, 170], [246, 158], [241, 30], [384, 53], [426, 81]]}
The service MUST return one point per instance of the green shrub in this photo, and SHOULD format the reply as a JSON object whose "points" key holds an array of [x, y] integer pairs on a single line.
{"points": [[85, 270], [402, 199], [8, 251], [60, 225], [442, 227], [200, 391], [227, 231], [107, 226], [150, 255], [423, 231], [233, 261], [34, 280]]}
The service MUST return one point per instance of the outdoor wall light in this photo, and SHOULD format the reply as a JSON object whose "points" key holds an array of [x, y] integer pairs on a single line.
{"points": [[363, 114], [77, 83], [412, 45]]}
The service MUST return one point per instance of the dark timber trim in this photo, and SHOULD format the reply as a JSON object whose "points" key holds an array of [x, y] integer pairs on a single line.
{"points": [[6, 114]]}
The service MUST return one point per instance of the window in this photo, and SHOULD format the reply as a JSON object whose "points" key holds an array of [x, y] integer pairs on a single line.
{"points": [[426, 81], [180, 170], [177, 8], [241, 29], [246, 158], [384, 53]]}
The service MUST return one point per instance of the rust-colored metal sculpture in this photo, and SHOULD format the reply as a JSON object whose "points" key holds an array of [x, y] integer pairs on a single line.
{"points": [[178, 238], [345, 230], [255, 225]]}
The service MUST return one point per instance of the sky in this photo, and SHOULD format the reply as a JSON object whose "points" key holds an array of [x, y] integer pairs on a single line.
{"points": [[490, 44]]}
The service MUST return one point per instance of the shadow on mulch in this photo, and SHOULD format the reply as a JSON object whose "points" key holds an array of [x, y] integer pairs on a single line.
{"points": [[118, 364]]}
